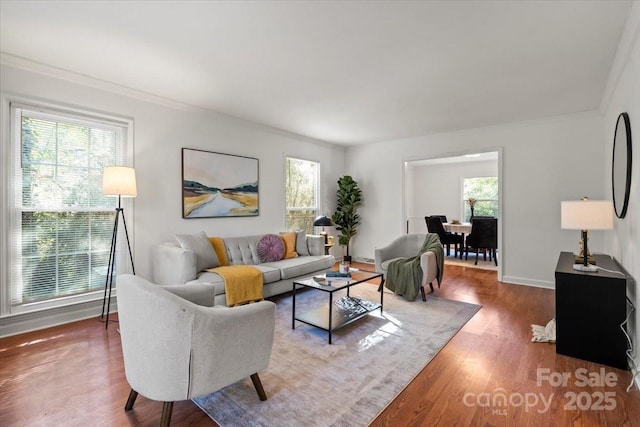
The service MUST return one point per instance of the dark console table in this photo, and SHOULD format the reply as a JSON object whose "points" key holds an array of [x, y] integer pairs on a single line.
{"points": [[590, 307]]}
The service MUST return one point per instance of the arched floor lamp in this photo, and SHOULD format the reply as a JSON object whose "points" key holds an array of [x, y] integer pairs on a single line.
{"points": [[116, 181]]}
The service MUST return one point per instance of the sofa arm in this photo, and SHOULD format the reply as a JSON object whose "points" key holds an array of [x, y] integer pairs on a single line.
{"points": [[315, 244], [230, 344], [198, 293], [429, 267], [381, 255], [172, 265], [390, 251]]}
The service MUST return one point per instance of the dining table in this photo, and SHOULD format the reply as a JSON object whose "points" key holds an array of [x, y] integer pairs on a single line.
{"points": [[461, 228]]}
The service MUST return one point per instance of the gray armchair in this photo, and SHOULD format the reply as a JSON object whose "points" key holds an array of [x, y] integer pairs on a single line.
{"points": [[175, 349], [408, 246]]}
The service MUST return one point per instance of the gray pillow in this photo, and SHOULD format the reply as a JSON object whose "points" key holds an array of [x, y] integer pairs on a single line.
{"points": [[301, 243], [199, 243]]}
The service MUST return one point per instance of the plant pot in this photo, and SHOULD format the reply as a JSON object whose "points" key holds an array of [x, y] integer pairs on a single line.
{"points": [[346, 258]]}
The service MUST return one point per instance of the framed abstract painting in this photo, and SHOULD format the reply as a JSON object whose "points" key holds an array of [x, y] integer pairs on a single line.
{"points": [[218, 185]]}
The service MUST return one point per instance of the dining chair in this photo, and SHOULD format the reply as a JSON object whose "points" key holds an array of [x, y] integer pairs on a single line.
{"points": [[434, 225], [483, 236], [442, 217]]}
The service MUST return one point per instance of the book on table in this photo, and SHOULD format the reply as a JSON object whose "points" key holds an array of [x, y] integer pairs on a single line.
{"points": [[332, 274]]}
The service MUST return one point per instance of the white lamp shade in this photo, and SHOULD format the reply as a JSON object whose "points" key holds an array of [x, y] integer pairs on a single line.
{"points": [[586, 215], [119, 181]]}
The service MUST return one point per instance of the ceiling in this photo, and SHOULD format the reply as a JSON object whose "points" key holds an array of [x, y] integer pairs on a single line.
{"points": [[343, 72]]}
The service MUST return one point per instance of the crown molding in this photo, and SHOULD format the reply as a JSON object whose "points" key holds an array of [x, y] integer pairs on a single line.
{"points": [[25, 64], [85, 80]]}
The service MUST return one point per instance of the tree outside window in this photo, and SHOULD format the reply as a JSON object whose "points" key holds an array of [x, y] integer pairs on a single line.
{"points": [[301, 194], [485, 191], [62, 224]]}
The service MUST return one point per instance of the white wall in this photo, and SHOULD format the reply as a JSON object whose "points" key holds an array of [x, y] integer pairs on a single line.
{"points": [[160, 131], [624, 242], [436, 189], [543, 163]]}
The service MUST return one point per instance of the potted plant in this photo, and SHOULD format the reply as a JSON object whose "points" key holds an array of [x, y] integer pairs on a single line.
{"points": [[346, 218]]}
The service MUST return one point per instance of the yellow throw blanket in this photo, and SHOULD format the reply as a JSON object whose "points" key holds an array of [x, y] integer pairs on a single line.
{"points": [[242, 283]]}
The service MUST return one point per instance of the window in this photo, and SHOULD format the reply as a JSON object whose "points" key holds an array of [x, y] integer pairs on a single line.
{"points": [[61, 224], [301, 194], [485, 191]]}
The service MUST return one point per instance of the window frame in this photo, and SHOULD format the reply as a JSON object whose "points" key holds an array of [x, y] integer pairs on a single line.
{"points": [[317, 209], [11, 217], [464, 202]]}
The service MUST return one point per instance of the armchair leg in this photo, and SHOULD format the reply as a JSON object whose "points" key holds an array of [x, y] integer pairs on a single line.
{"points": [[424, 297], [258, 385], [431, 286], [131, 400], [167, 408]]}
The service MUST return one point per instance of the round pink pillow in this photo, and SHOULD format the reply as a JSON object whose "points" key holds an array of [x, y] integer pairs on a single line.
{"points": [[270, 248]]}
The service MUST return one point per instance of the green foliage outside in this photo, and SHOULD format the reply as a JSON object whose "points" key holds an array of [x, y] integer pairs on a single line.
{"points": [[66, 221], [301, 199], [485, 191]]}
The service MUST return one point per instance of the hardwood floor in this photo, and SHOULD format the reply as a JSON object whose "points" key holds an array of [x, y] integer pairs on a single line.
{"points": [[73, 375]]}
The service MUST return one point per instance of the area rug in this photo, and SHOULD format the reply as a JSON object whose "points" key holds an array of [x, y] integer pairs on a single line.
{"points": [[349, 382], [470, 263]]}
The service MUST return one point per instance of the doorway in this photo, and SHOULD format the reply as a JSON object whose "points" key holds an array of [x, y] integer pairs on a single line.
{"points": [[441, 186]]}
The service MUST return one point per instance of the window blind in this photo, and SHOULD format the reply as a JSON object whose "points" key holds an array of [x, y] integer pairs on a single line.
{"points": [[61, 223]]}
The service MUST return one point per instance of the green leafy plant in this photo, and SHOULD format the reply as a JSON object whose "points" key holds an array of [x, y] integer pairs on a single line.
{"points": [[346, 218]]}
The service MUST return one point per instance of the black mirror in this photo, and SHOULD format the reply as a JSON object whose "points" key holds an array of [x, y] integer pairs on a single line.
{"points": [[621, 166]]}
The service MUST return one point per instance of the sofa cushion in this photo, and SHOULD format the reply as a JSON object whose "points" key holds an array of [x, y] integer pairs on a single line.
{"points": [[220, 250], [212, 279], [301, 243], [270, 248], [289, 239], [269, 275], [243, 250], [295, 267], [200, 245]]}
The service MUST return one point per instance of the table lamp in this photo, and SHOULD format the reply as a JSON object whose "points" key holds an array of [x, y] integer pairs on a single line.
{"points": [[586, 215], [323, 221], [117, 181]]}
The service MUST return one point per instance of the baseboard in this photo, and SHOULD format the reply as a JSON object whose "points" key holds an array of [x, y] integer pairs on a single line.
{"points": [[33, 321], [528, 282], [505, 279]]}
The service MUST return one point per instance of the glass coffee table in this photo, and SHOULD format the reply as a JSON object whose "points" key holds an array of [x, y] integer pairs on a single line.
{"points": [[341, 312]]}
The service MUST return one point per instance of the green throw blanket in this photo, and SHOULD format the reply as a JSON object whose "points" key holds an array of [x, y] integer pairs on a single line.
{"points": [[404, 275]]}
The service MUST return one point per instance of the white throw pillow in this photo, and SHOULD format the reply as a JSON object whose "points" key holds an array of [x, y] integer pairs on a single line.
{"points": [[199, 243]]}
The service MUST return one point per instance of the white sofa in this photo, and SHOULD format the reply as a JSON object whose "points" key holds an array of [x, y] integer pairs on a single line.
{"points": [[174, 265]]}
